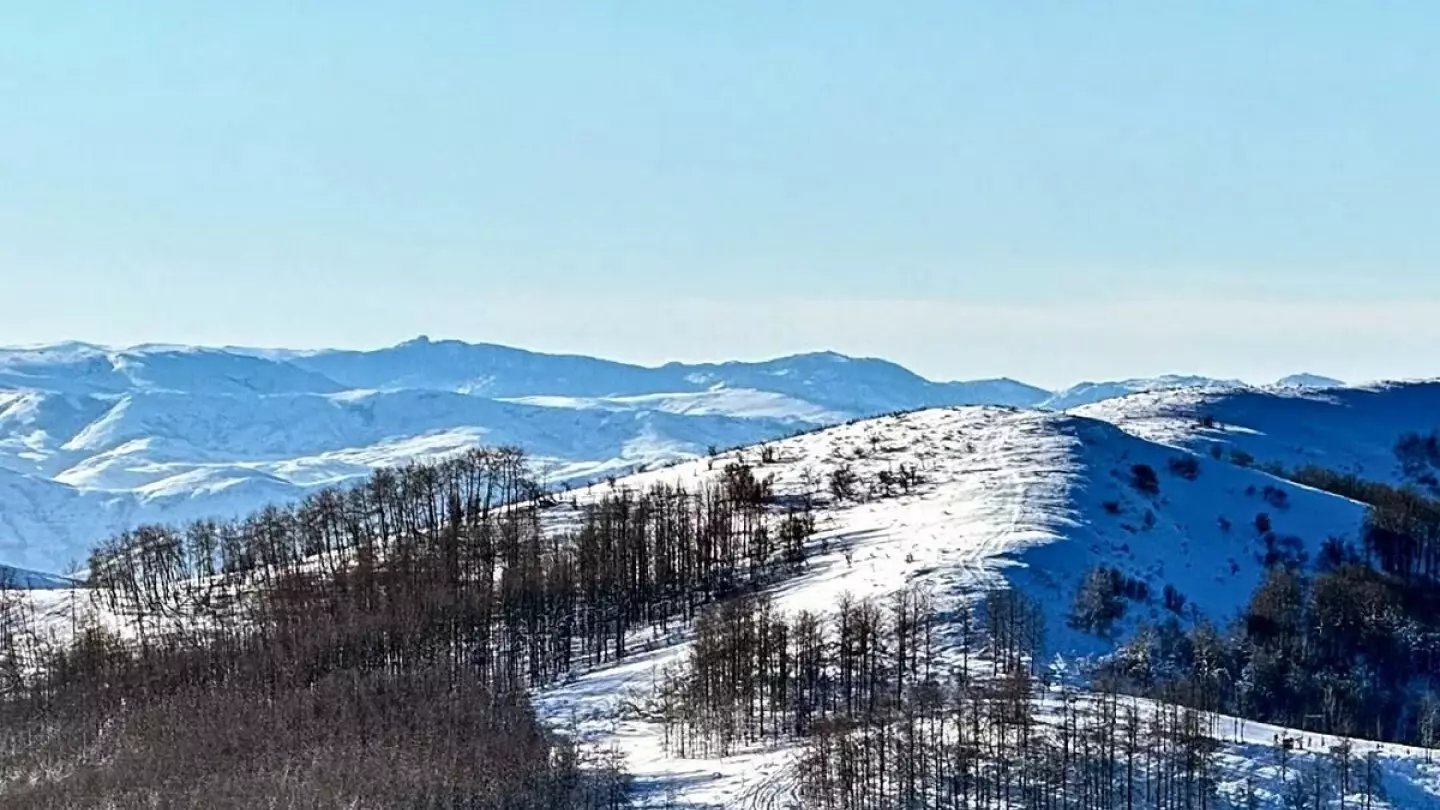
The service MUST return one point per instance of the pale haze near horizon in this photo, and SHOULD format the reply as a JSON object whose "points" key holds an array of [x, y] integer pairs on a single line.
{"points": [[992, 189]]}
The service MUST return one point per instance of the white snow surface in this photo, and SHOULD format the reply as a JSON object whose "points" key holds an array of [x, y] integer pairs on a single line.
{"points": [[1348, 429], [1027, 499], [743, 402]]}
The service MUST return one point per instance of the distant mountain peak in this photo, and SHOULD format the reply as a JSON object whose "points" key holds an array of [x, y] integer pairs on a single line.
{"points": [[1307, 380]]}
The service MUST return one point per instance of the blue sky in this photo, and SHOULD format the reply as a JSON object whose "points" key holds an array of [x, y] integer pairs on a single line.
{"points": [[1052, 191]]}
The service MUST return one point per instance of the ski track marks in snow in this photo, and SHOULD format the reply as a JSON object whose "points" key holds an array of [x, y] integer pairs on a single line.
{"points": [[990, 477]]}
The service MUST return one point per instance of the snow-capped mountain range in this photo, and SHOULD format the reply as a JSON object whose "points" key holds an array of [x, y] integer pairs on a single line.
{"points": [[96, 439]]}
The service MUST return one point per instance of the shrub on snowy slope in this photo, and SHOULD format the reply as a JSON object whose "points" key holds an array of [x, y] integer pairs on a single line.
{"points": [[1101, 600]]}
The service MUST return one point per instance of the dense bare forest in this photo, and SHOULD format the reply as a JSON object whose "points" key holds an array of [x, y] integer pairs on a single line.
{"points": [[370, 647], [889, 704], [889, 715]]}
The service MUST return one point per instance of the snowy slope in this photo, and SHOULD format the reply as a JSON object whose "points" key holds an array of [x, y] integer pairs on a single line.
{"points": [[1089, 393], [1021, 498], [742, 402], [1347, 429], [1035, 499]]}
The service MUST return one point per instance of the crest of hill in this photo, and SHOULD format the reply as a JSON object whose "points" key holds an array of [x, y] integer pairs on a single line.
{"points": [[1006, 498], [1025, 499]]}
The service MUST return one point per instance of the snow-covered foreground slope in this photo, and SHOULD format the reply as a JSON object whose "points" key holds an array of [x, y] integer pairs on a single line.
{"points": [[1020, 498]]}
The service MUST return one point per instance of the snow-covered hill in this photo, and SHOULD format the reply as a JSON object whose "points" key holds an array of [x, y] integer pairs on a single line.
{"points": [[1034, 498], [1028, 499], [1352, 430]]}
